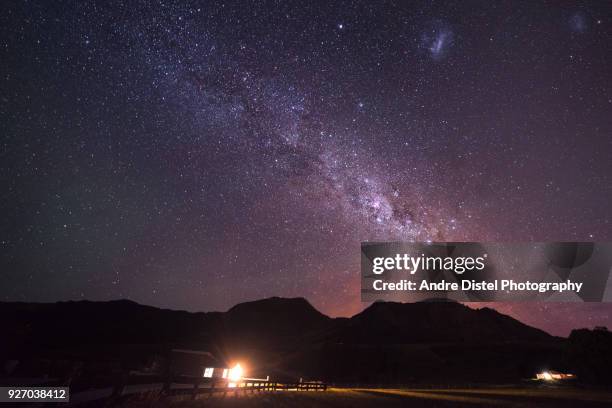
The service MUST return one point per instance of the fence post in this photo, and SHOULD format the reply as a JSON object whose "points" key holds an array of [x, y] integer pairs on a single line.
{"points": [[194, 392], [165, 391], [117, 388]]}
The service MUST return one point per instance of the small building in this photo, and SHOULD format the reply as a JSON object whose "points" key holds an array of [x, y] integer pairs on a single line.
{"points": [[196, 363], [551, 375]]}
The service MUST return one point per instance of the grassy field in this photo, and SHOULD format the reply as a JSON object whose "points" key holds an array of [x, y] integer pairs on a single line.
{"points": [[375, 397]]}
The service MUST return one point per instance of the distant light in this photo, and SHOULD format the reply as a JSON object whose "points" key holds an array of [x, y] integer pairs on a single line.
{"points": [[341, 26], [235, 374], [554, 376]]}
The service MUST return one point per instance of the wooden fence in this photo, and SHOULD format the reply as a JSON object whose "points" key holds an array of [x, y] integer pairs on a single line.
{"points": [[199, 388]]}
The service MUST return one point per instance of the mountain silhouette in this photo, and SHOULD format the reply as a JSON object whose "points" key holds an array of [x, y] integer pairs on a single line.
{"points": [[386, 342], [429, 322], [273, 319]]}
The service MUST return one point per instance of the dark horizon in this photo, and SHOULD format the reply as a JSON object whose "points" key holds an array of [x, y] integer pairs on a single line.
{"points": [[121, 353], [473, 305]]}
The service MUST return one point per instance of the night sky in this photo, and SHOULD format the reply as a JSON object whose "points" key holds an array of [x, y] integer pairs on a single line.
{"points": [[197, 155]]}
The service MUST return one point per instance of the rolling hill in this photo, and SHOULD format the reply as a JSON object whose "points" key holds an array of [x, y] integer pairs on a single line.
{"points": [[386, 342]]}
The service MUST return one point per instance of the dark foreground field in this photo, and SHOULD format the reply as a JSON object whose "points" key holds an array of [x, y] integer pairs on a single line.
{"points": [[366, 397]]}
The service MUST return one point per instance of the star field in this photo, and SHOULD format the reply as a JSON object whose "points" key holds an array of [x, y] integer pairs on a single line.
{"points": [[195, 155]]}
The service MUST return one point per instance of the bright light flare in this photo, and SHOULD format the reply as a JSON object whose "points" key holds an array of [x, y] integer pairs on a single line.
{"points": [[235, 374]]}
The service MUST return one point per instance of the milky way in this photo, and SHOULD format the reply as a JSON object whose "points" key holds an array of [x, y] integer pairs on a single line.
{"points": [[196, 155]]}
